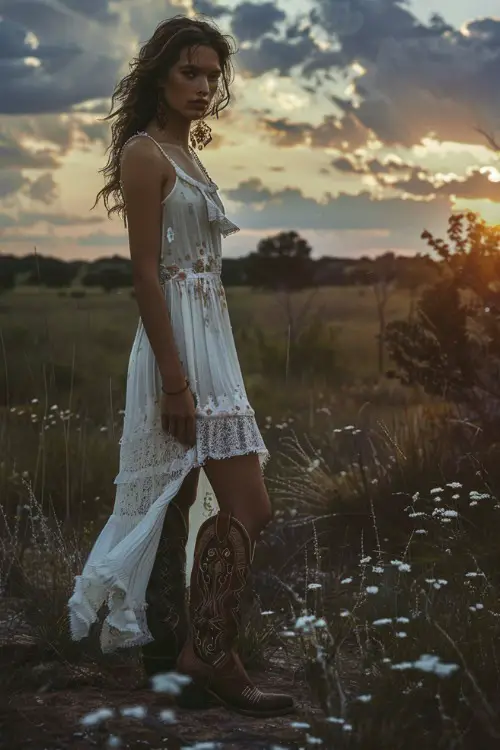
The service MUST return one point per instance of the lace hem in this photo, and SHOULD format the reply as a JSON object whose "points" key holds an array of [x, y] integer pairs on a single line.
{"points": [[149, 452]]}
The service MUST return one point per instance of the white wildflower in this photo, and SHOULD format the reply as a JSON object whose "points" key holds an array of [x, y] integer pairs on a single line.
{"points": [[364, 698], [404, 568], [382, 621], [401, 634], [402, 665], [429, 663], [134, 712], [94, 718], [365, 560], [167, 716], [170, 682], [436, 490], [454, 485], [347, 580], [371, 589], [421, 531]]}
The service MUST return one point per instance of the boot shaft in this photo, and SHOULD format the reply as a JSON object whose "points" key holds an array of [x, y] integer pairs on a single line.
{"points": [[223, 555]]}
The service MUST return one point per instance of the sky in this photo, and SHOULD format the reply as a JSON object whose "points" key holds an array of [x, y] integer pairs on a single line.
{"points": [[354, 122]]}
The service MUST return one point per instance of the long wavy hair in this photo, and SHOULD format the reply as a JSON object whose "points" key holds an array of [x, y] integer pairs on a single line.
{"points": [[138, 92]]}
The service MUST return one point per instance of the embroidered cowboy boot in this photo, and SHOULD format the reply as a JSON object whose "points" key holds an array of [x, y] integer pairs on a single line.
{"points": [[167, 609], [223, 555]]}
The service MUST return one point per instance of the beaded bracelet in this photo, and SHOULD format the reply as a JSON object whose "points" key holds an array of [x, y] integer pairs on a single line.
{"points": [[176, 393]]}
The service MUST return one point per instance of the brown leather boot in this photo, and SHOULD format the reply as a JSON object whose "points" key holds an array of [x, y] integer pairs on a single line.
{"points": [[222, 558], [167, 610]]}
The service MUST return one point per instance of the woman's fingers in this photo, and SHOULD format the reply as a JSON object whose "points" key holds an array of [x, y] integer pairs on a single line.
{"points": [[181, 430]]}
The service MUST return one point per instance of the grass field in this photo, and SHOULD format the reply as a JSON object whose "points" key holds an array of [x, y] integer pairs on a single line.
{"points": [[378, 576], [85, 342]]}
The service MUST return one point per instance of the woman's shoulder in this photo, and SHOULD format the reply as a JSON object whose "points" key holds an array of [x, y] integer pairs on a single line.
{"points": [[139, 155]]}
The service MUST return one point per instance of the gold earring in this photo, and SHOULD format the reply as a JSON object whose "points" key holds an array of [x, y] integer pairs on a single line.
{"points": [[201, 135]]}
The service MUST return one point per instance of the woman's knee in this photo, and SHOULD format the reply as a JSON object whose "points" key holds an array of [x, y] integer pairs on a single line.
{"points": [[240, 489]]}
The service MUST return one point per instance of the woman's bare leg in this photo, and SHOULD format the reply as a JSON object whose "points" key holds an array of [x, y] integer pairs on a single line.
{"points": [[239, 487]]}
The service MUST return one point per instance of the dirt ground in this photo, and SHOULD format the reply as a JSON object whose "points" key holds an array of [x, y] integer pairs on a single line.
{"points": [[42, 708]]}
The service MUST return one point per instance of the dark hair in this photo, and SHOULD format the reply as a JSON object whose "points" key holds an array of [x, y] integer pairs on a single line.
{"points": [[138, 91]]}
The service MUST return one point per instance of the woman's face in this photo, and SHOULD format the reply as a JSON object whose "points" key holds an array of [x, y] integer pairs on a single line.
{"points": [[193, 81]]}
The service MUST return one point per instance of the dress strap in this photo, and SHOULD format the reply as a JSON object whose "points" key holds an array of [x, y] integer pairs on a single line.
{"points": [[143, 133]]}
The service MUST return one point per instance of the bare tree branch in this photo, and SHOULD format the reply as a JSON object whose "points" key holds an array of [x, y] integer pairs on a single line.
{"points": [[493, 143]]}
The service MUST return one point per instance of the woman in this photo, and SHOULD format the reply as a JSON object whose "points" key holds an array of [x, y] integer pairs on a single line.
{"points": [[189, 427]]}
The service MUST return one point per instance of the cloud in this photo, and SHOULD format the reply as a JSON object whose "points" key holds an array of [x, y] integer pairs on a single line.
{"points": [[349, 164], [43, 189], [278, 55], [476, 186], [251, 21], [11, 182], [102, 238], [211, 9], [412, 80], [418, 80], [258, 207], [55, 56], [344, 133], [15, 156], [30, 218]]}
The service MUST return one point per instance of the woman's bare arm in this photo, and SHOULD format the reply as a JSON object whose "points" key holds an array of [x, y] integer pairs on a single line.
{"points": [[142, 176]]}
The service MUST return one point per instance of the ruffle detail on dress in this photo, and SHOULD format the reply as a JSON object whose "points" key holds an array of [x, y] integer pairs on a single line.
{"points": [[218, 217], [159, 459], [116, 574]]}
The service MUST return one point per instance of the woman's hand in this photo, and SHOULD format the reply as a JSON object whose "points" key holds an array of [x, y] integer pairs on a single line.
{"points": [[178, 416]]}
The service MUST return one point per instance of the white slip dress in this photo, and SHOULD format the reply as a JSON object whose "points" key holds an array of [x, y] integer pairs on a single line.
{"points": [[153, 464]]}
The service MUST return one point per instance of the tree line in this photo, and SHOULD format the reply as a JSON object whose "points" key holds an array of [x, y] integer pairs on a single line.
{"points": [[280, 262]]}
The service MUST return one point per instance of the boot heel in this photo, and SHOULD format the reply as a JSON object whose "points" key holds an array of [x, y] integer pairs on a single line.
{"points": [[193, 696]]}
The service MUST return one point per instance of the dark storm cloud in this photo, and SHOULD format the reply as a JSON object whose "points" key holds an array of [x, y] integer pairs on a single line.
{"points": [[279, 55], [372, 166], [208, 8], [54, 55], [43, 189], [261, 208], [344, 133], [11, 182], [476, 186], [250, 21], [15, 156], [420, 80]]}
